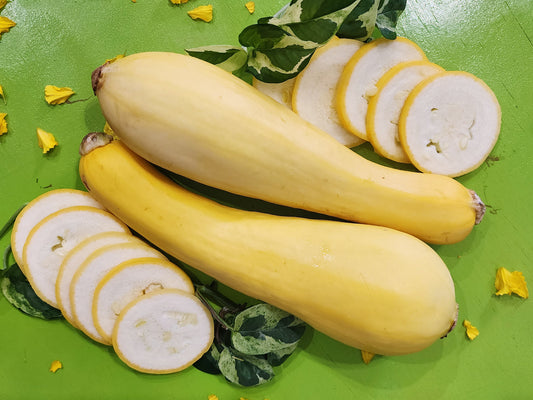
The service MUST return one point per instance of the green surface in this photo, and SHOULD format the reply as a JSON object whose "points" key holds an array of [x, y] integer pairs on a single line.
{"points": [[61, 42]]}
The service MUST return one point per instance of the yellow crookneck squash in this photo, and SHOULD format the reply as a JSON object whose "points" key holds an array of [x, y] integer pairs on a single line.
{"points": [[370, 287]]}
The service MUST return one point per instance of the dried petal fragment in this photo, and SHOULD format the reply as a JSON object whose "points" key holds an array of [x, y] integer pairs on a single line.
{"points": [[250, 7], [5, 25], [2, 94], [47, 141], [367, 356], [57, 95], [3, 123], [510, 282], [3, 3], [471, 331], [56, 364], [205, 13], [179, 1], [112, 60]]}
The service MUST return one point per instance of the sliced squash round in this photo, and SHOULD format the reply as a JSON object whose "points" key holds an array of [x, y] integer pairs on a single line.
{"points": [[163, 332], [130, 280], [50, 241], [450, 123], [281, 92], [384, 108], [313, 97], [357, 83], [41, 207], [92, 271], [75, 258]]}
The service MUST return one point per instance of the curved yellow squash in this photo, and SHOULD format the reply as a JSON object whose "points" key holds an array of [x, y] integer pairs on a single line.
{"points": [[370, 287], [201, 122]]}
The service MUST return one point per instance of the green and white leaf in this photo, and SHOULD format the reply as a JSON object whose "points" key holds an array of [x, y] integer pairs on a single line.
{"points": [[209, 361], [18, 291], [388, 15], [278, 357], [230, 58], [244, 370], [262, 329]]}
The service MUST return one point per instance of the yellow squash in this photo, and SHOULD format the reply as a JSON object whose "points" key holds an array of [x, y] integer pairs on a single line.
{"points": [[200, 121], [370, 287]]}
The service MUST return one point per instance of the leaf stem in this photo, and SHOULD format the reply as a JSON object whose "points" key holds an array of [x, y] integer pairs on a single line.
{"points": [[10, 221], [215, 315], [5, 260]]}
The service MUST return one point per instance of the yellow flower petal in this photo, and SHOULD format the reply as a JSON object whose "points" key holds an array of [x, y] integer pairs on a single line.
{"points": [[471, 331], [205, 13], [6, 24], [3, 123], [47, 141], [56, 95], [250, 6], [179, 1], [510, 282], [212, 397], [367, 356], [3, 3], [2, 94], [56, 364]]}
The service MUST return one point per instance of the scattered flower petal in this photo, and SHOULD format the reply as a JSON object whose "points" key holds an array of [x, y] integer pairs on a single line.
{"points": [[367, 356], [2, 94], [3, 123], [212, 397], [47, 141], [471, 331], [3, 3], [179, 1], [56, 364], [250, 7], [5, 25], [510, 282], [205, 13], [57, 95]]}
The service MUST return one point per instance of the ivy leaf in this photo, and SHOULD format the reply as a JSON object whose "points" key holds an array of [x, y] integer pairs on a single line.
{"points": [[244, 370], [262, 329], [18, 291]]}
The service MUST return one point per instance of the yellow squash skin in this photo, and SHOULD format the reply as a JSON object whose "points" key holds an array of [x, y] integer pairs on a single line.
{"points": [[370, 287], [202, 122]]}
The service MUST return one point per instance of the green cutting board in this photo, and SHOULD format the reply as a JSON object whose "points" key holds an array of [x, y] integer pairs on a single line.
{"points": [[60, 43]]}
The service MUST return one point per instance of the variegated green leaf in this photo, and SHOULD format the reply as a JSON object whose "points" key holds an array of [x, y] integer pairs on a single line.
{"points": [[262, 329], [244, 370], [209, 361], [278, 357], [230, 58], [361, 21], [388, 15]]}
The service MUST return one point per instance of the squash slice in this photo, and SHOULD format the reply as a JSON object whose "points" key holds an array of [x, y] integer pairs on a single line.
{"points": [[163, 332], [281, 92], [52, 239], [450, 123], [86, 278], [41, 207], [358, 80], [384, 108], [130, 280], [74, 259], [313, 97]]}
